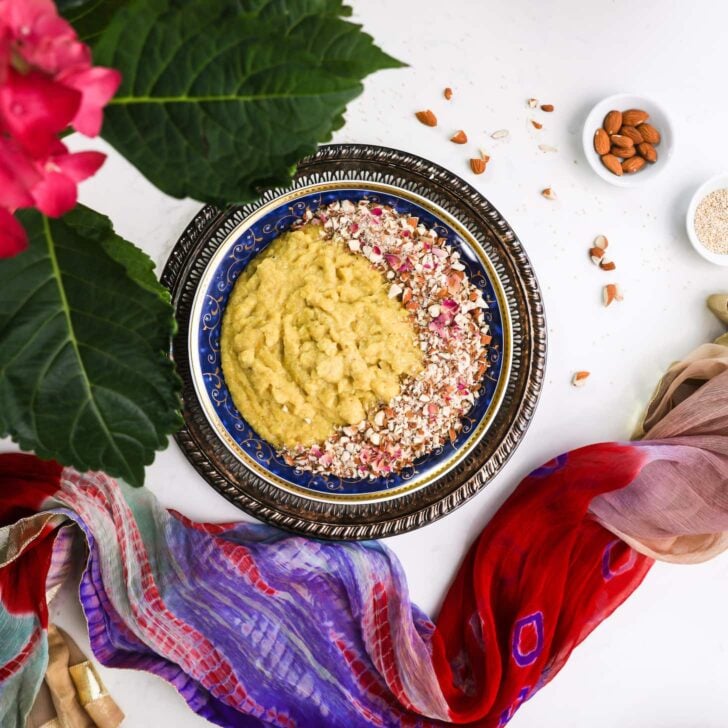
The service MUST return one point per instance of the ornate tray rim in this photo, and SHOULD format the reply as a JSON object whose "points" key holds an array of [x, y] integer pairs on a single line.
{"points": [[382, 517]]}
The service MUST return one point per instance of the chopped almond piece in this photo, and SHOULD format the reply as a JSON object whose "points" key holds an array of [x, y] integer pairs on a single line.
{"points": [[459, 137], [427, 118]]}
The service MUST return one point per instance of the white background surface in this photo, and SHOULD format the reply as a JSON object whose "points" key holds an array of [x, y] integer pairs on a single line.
{"points": [[661, 660]]}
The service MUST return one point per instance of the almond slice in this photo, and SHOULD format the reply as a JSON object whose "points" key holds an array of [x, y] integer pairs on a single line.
{"points": [[579, 378], [478, 164], [536, 125], [549, 194], [601, 242], [607, 265], [547, 107], [426, 117], [532, 103], [459, 137], [596, 255], [547, 148], [500, 134], [611, 293], [447, 93]]}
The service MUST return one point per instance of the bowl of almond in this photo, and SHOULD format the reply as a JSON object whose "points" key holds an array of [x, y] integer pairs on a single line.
{"points": [[628, 139]]}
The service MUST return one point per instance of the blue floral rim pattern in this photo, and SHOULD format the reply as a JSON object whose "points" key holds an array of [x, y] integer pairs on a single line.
{"points": [[205, 326]]}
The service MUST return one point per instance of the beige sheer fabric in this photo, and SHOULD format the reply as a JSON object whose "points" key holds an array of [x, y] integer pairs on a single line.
{"points": [[677, 509], [72, 694]]}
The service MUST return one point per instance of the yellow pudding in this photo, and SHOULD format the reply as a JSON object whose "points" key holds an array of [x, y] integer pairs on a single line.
{"points": [[311, 341]]}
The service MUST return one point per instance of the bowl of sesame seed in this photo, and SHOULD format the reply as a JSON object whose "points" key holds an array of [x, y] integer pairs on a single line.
{"points": [[707, 220]]}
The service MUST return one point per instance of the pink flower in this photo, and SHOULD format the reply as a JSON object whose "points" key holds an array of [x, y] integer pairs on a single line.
{"points": [[34, 109], [13, 239], [47, 84], [55, 194], [97, 86], [18, 174], [42, 39]]}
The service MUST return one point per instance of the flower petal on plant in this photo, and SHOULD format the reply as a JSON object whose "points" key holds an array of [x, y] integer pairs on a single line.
{"points": [[34, 109], [13, 239], [97, 85], [18, 174], [79, 166], [55, 194], [44, 39], [5, 39]]}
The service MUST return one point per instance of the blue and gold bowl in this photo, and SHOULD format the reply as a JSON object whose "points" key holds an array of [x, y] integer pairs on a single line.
{"points": [[240, 247]]}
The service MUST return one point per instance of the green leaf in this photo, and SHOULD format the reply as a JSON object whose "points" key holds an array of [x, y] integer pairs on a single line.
{"points": [[84, 331], [221, 98], [89, 17]]}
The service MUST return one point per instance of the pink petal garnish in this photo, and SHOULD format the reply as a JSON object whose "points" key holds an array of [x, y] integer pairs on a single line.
{"points": [[393, 261], [353, 227], [13, 238], [452, 307], [376, 211]]}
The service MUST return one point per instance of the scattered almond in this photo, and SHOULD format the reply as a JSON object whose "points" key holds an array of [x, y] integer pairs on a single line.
{"points": [[601, 142], [547, 148], [536, 124], [547, 107], [635, 164], [607, 264], [549, 194], [634, 117], [647, 152], [612, 163], [649, 133], [500, 134], [459, 137], [596, 255], [426, 117], [447, 93], [632, 133], [601, 242], [579, 378], [478, 164], [532, 103], [609, 294], [612, 122]]}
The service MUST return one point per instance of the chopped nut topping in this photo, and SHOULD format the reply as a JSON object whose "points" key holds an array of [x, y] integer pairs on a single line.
{"points": [[446, 310]]}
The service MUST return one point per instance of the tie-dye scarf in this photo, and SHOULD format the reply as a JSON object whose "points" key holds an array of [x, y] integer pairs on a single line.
{"points": [[258, 627]]}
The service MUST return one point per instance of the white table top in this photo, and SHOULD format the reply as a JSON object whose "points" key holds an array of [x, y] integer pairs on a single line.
{"points": [[660, 660]]}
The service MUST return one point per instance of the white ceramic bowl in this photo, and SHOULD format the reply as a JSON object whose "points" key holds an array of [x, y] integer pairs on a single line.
{"points": [[658, 118], [714, 183]]}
